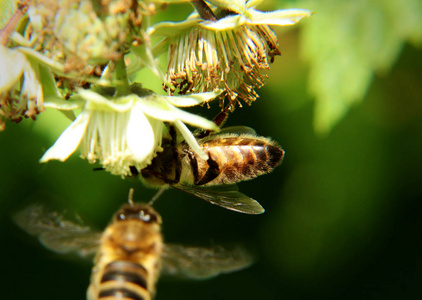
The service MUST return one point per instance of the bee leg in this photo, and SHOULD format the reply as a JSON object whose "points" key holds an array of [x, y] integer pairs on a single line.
{"points": [[158, 194], [146, 173], [134, 171], [219, 120], [176, 158], [193, 164], [173, 134]]}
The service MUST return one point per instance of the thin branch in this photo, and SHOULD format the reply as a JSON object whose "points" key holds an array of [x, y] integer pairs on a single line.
{"points": [[204, 10], [13, 22]]}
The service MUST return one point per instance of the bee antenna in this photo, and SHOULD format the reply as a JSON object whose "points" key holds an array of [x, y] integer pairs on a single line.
{"points": [[158, 194], [130, 198]]}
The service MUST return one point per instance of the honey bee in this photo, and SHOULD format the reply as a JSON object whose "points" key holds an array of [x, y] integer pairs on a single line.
{"points": [[235, 154], [128, 261], [130, 252]]}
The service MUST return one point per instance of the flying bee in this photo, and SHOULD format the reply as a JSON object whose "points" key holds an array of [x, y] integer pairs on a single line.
{"points": [[235, 154], [128, 261], [130, 252]]}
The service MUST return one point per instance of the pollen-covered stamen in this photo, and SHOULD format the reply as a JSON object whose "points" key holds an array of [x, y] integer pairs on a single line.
{"points": [[204, 60], [225, 57], [107, 139], [271, 39]]}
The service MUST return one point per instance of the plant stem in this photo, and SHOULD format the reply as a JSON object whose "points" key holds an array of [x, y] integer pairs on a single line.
{"points": [[121, 76], [10, 27], [204, 10]]}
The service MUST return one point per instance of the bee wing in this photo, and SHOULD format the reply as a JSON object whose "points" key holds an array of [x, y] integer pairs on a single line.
{"points": [[227, 196], [203, 262], [237, 130], [56, 233]]}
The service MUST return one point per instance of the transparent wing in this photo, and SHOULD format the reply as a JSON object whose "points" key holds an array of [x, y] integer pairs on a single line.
{"points": [[56, 233], [227, 196], [203, 263], [205, 135], [237, 130]]}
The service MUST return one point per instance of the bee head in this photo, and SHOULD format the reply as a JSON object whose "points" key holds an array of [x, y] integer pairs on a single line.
{"points": [[138, 212]]}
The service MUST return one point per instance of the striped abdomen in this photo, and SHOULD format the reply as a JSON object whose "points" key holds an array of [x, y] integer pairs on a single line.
{"points": [[127, 264], [124, 280], [233, 159]]}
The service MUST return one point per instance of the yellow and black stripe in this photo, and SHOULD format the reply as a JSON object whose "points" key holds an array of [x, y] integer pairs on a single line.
{"points": [[124, 280], [236, 158]]}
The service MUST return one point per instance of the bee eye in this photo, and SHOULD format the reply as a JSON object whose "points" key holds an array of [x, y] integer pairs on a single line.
{"points": [[121, 217], [144, 216]]}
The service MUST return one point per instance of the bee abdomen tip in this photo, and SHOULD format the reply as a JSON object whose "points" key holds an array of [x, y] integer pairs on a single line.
{"points": [[275, 155]]}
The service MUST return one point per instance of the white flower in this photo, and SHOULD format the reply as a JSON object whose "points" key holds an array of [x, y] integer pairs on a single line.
{"points": [[127, 131], [21, 94], [232, 54]]}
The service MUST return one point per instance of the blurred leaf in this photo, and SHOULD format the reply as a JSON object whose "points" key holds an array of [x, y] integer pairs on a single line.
{"points": [[345, 42], [6, 10], [333, 200]]}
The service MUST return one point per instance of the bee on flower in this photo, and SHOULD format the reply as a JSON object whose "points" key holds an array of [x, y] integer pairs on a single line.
{"points": [[126, 132], [231, 50]]}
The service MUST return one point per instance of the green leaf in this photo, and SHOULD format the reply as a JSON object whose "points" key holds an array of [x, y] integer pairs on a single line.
{"points": [[346, 42]]}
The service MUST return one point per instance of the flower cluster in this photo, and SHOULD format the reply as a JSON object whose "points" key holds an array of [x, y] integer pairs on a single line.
{"points": [[84, 56], [84, 35]]}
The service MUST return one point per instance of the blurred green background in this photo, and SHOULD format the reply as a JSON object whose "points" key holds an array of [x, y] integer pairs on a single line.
{"points": [[343, 211]]}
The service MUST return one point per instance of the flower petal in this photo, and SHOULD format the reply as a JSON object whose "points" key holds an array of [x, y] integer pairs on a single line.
{"points": [[60, 104], [140, 135], [190, 139], [157, 107], [31, 86], [98, 102], [253, 3], [12, 64], [172, 28], [191, 100], [196, 120], [44, 59], [227, 23], [282, 17], [68, 141]]}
